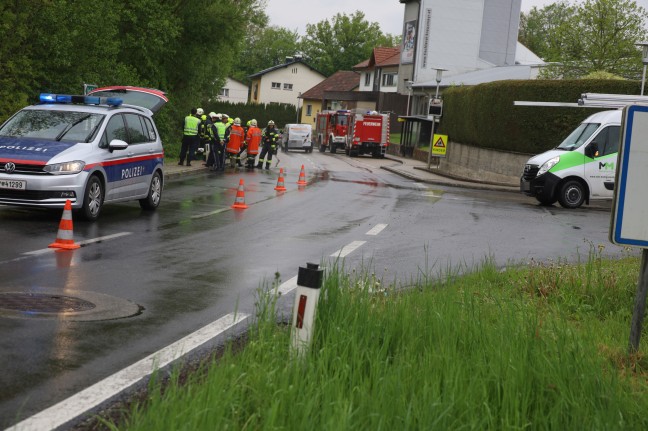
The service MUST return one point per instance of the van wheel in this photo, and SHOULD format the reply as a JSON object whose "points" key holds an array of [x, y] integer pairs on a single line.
{"points": [[572, 194], [152, 200], [93, 198]]}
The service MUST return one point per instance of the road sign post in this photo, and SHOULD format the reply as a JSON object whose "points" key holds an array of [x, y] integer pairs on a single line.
{"points": [[630, 207]]}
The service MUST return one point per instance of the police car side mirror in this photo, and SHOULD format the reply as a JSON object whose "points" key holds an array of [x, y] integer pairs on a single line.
{"points": [[117, 144]]}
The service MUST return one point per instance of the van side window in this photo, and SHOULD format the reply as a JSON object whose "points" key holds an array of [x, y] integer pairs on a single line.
{"points": [[612, 141]]}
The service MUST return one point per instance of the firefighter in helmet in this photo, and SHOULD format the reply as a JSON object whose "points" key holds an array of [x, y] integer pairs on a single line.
{"points": [[236, 141], [253, 139], [270, 138]]}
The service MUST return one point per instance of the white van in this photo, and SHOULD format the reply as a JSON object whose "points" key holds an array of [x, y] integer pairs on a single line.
{"points": [[297, 137], [581, 168]]}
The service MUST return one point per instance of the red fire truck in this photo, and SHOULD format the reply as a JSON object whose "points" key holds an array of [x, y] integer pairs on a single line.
{"points": [[331, 130], [368, 133], [356, 132]]}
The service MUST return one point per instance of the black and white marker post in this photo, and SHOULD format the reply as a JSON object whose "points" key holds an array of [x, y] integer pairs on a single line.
{"points": [[309, 282]]}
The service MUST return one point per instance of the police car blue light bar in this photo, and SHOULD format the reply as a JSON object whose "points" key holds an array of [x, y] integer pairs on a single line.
{"points": [[87, 100]]}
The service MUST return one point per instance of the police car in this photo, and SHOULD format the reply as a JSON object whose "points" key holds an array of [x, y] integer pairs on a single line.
{"points": [[95, 149]]}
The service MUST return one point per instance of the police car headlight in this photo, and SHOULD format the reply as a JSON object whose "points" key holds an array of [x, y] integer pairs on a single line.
{"points": [[66, 168], [548, 165]]}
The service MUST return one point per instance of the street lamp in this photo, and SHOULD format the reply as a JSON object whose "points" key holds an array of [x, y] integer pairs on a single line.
{"points": [[644, 60], [408, 85], [298, 97], [439, 74]]}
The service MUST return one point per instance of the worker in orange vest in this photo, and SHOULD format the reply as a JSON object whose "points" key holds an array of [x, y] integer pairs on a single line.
{"points": [[253, 139], [236, 141]]}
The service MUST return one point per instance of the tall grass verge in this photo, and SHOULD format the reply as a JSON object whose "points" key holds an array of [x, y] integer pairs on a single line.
{"points": [[535, 347]]}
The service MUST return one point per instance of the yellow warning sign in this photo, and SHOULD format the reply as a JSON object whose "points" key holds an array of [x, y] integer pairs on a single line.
{"points": [[440, 145]]}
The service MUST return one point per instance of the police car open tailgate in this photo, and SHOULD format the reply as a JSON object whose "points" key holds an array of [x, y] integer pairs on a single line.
{"points": [[149, 98]]}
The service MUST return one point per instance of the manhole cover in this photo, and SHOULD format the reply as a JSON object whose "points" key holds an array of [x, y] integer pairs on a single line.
{"points": [[73, 305], [43, 303]]}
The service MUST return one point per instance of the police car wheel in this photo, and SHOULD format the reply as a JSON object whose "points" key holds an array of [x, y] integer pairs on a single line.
{"points": [[92, 199], [152, 200], [572, 194]]}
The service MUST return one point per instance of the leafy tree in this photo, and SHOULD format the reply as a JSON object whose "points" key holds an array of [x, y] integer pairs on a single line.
{"points": [[343, 42], [540, 29], [595, 36], [265, 47]]}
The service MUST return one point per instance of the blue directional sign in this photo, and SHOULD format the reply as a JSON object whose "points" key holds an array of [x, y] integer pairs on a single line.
{"points": [[629, 222]]}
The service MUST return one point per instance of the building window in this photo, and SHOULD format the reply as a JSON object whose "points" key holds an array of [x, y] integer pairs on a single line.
{"points": [[367, 79], [309, 110], [288, 87], [389, 79], [276, 85], [224, 92]]}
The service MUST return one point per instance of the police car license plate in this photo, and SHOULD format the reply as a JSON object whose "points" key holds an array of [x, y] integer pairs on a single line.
{"points": [[13, 184]]}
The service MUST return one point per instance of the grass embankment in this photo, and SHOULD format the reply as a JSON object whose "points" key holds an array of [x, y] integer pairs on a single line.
{"points": [[534, 347]]}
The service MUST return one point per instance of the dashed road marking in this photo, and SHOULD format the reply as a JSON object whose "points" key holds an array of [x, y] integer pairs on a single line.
{"points": [[348, 249], [376, 229]]}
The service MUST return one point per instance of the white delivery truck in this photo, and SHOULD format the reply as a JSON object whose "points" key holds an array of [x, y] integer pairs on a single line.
{"points": [[581, 168], [297, 137]]}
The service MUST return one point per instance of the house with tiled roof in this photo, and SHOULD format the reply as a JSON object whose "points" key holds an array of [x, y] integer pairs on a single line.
{"points": [[284, 82], [335, 92], [380, 71]]}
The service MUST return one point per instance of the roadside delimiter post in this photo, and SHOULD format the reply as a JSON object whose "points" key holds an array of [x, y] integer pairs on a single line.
{"points": [[309, 282]]}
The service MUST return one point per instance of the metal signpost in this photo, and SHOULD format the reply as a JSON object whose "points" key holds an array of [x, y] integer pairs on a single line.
{"points": [[630, 207], [435, 110]]}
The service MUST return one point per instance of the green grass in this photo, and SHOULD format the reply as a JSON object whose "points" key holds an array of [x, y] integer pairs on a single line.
{"points": [[543, 346]]}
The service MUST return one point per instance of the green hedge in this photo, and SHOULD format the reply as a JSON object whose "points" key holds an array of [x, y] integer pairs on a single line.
{"points": [[484, 115]]}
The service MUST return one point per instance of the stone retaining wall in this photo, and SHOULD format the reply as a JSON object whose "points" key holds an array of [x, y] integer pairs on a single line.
{"points": [[481, 164]]}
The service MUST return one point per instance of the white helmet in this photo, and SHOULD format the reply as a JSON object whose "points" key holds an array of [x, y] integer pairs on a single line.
{"points": [[253, 123], [270, 123], [200, 111], [213, 115], [237, 121], [219, 116]]}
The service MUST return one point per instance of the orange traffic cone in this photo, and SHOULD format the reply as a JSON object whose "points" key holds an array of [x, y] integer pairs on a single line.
{"points": [[239, 202], [302, 177], [64, 238], [280, 182]]}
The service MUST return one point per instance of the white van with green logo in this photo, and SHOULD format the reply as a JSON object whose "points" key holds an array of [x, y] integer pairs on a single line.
{"points": [[581, 168]]}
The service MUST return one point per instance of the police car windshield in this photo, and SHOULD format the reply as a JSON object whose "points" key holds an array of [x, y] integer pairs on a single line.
{"points": [[578, 137], [70, 126]]}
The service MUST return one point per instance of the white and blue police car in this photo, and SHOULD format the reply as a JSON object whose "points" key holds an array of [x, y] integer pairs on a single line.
{"points": [[94, 149]]}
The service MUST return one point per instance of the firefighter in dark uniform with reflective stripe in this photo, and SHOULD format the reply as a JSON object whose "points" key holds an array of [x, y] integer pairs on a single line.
{"points": [[215, 146], [270, 138]]}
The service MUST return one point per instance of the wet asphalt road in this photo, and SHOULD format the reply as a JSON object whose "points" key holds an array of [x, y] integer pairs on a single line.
{"points": [[196, 259]]}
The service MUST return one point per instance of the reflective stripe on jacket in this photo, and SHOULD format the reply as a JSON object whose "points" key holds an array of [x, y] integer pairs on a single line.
{"points": [[236, 139], [253, 140], [191, 124]]}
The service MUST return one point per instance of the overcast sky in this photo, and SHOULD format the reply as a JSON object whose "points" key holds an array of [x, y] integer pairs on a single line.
{"points": [[294, 15]]}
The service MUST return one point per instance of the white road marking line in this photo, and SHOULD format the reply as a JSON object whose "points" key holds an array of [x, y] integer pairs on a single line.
{"points": [[67, 410], [84, 242], [348, 249], [211, 213], [287, 286], [376, 229], [50, 250]]}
